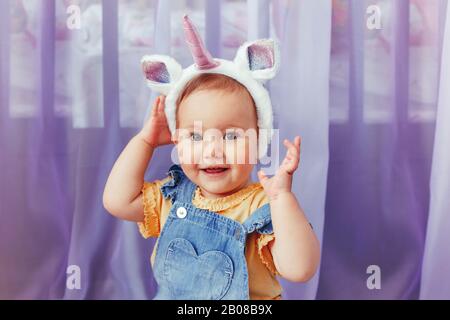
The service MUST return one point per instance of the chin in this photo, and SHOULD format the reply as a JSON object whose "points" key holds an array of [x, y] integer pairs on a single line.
{"points": [[215, 187]]}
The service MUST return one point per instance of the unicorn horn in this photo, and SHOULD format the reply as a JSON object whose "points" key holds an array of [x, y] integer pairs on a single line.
{"points": [[202, 57]]}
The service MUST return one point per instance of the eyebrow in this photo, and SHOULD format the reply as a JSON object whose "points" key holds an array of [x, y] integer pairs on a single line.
{"points": [[232, 126]]}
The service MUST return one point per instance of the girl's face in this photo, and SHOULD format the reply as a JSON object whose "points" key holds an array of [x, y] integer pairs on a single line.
{"points": [[217, 140]]}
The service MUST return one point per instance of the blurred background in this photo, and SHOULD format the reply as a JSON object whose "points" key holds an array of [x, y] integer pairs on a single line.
{"points": [[372, 105]]}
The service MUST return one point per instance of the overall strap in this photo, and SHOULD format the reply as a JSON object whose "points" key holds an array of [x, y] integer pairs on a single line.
{"points": [[179, 188]]}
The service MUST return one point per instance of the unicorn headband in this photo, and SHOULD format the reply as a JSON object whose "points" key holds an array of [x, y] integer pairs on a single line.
{"points": [[255, 62]]}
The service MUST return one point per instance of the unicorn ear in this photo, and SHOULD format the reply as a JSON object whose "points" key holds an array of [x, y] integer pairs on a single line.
{"points": [[261, 58], [161, 72]]}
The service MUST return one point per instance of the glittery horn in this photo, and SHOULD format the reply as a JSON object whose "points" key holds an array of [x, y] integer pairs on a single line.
{"points": [[202, 57]]}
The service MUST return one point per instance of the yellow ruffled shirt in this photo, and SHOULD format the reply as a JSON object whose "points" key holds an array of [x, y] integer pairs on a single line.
{"points": [[262, 273]]}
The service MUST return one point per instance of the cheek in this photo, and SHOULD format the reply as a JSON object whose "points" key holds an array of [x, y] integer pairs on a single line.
{"points": [[251, 148], [190, 170], [242, 151], [241, 172], [189, 152]]}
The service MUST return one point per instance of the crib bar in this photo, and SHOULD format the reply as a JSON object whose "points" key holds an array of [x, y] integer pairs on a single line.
{"points": [[258, 19], [356, 56], [46, 54], [401, 62], [162, 34], [213, 27], [111, 96], [4, 63]]}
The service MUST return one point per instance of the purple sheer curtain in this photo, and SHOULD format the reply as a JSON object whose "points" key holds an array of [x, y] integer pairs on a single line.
{"points": [[380, 157], [34, 164], [436, 264], [70, 100], [52, 215]]}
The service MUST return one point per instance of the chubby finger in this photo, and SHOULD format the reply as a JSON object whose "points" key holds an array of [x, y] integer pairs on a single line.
{"points": [[155, 106], [289, 166], [295, 146], [292, 152], [289, 158], [289, 145], [298, 142], [299, 145], [290, 162], [162, 100]]}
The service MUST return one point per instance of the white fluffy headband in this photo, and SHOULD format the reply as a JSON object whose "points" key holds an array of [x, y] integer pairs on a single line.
{"points": [[254, 63]]}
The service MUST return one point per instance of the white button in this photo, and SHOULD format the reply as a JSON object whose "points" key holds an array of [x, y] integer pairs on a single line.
{"points": [[181, 212]]}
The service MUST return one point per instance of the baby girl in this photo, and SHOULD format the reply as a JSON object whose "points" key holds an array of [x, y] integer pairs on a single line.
{"points": [[220, 235]]}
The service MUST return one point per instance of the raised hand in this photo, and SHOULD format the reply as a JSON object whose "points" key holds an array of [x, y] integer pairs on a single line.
{"points": [[156, 131], [282, 180]]}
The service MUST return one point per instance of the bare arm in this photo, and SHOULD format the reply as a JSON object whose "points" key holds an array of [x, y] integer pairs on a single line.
{"points": [[122, 195], [296, 249]]}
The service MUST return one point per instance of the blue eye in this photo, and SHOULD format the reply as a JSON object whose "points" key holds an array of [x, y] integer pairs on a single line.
{"points": [[231, 136], [196, 137]]}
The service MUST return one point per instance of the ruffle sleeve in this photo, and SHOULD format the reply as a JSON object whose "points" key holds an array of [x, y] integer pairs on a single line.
{"points": [[262, 244], [151, 202]]}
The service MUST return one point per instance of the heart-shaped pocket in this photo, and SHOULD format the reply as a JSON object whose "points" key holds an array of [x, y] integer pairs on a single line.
{"points": [[196, 277]]}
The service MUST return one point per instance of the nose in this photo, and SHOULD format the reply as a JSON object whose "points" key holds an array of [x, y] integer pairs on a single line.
{"points": [[213, 151]]}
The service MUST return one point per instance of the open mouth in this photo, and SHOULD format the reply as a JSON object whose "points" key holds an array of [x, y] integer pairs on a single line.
{"points": [[215, 171]]}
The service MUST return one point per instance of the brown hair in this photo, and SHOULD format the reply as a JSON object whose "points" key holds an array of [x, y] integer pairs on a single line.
{"points": [[212, 81]]}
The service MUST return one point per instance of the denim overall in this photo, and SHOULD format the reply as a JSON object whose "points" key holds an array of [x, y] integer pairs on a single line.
{"points": [[201, 254]]}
